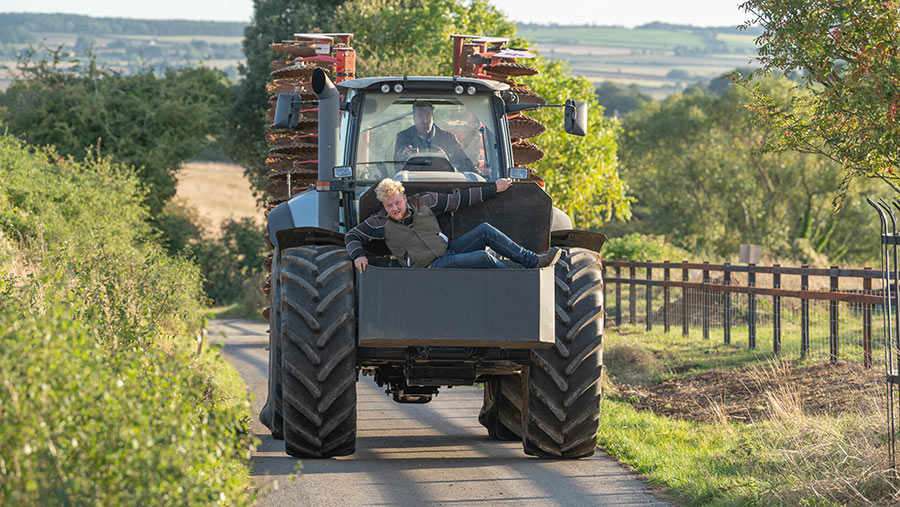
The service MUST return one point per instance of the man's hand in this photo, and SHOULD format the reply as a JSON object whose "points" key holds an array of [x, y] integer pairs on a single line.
{"points": [[361, 263], [503, 184], [409, 150]]}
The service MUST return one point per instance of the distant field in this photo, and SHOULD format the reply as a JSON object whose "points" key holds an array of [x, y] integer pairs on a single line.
{"points": [[218, 192], [646, 56], [211, 39], [613, 36]]}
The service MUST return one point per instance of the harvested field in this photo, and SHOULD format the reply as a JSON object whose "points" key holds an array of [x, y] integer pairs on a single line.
{"points": [[751, 394], [218, 192]]}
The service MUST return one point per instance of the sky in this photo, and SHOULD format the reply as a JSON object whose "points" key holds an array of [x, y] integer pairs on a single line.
{"points": [[600, 12]]}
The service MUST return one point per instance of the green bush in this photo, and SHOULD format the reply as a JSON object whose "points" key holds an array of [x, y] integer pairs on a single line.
{"points": [[85, 423], [103, 396], [644, 248]]}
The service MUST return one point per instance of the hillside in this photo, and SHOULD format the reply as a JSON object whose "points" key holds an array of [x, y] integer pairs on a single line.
{"points": [[661, 58]]}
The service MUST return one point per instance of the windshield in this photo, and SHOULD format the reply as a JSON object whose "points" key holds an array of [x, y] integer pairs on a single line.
{"points": [[420, 136]]}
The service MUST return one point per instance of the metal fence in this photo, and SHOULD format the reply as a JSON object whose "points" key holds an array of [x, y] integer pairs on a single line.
{"points": [[793, 311]]}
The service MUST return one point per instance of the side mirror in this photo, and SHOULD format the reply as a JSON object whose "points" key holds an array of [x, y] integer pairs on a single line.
{"points": [[287, 111], [576, 117]]}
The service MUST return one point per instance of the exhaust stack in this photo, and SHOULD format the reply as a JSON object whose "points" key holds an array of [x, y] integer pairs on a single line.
{"points": [[329, 117]]}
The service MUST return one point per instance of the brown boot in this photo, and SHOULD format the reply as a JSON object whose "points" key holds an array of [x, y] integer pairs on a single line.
{"points": [[548, 258]]}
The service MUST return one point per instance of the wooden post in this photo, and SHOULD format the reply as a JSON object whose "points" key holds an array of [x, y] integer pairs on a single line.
{"points": [[649, 299], [751, 308], [605, 317], [666, 297], [632, 296], [776, 310], [684, 298], [619, 296], [833, 317], [867, 323], [804, 315], [704, 300], [726, 317]]}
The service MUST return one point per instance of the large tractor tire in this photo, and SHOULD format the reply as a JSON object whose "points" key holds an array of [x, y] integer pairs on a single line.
{"points": [[563, 399], [501, 412], [318, 329], [271, 414]]}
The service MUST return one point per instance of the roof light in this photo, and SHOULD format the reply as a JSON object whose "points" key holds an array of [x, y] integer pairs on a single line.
{"points": [[470, 90], [459, 89], [385, 88], [398, 87]]}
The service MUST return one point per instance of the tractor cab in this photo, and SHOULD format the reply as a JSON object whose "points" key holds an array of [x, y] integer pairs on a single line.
{"points": [[425, 129]]}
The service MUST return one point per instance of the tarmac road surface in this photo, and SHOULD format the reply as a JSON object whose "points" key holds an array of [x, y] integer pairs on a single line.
{"points": [[431, 454]]}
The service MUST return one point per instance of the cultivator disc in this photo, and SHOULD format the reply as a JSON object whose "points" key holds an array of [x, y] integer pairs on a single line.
{"points": [[293, 48], [525, 152], [281, 137], [522, 126], [290, 85], [510, 69]]}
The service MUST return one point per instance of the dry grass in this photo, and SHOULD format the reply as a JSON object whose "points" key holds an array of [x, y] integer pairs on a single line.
{"points": [[840, 460], [218, 192]]}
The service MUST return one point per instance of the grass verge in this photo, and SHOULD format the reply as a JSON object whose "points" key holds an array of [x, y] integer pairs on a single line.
{"points": [[785, 456]]}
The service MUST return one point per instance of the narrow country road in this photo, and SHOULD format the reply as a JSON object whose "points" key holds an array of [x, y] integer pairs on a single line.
{"points": [[432, 454]]}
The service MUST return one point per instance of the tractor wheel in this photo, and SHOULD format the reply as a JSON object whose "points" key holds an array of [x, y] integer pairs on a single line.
{"points": [[271, 414], [318, 352], [501, 412], [563, 400]]}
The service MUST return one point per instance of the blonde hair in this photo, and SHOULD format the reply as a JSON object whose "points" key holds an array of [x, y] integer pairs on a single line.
{"points": [[388, 188]]}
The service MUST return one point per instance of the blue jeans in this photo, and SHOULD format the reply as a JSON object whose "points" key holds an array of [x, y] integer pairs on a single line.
{"points": [[468, 250]]}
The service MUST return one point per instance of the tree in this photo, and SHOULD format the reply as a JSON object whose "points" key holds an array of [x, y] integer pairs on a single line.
{"points": [[273, 20], [618, 99], [412, 37], [582, 173], [848, 53], [693, 161], [151, 122]]}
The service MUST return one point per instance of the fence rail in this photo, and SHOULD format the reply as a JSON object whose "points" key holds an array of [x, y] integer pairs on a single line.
{"points": [[709, 297]]}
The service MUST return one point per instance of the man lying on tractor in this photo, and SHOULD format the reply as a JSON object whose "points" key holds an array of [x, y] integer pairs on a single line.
{"points": [[408, 226]]}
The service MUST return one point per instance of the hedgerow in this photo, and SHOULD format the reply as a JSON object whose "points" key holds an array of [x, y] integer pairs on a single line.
{"points": [[105, 397]]}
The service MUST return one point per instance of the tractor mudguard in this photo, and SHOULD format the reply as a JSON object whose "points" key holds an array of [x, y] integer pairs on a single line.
{"points": [[575, 238]]}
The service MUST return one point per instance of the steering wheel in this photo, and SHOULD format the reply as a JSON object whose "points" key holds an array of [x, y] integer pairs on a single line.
{"points": [[428, 161]]}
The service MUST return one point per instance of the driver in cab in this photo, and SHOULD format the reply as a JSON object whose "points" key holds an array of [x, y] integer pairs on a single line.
{"points": [[424, 136]]}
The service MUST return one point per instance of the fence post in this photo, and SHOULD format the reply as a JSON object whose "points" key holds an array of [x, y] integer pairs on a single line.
{"points": [[684, 298], [751, 308], [867, 323], [666, 297], [726, 318], [776, 310], [632, 295], [704, 294], [804, 315], [605, 317], [619, 295], [833, 316], [649, 295]]}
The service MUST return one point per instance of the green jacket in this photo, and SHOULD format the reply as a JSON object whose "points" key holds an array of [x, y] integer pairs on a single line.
{"points": [[419, 244]]}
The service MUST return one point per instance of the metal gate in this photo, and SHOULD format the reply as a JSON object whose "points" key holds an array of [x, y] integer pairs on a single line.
{"points": [[890, 275]]}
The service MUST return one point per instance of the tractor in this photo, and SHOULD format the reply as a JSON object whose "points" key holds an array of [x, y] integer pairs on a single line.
{"points": [[532, 337]]}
